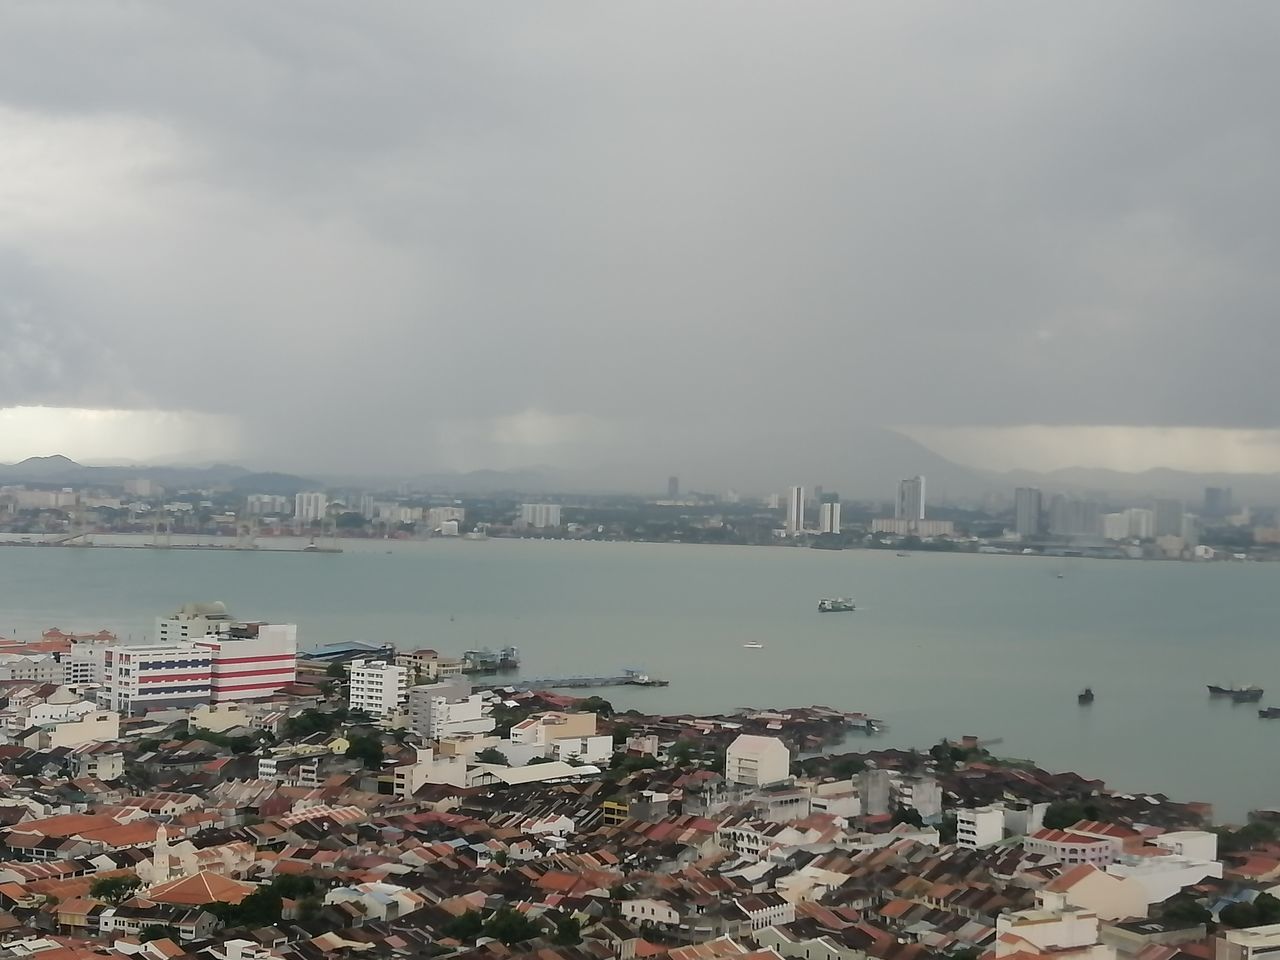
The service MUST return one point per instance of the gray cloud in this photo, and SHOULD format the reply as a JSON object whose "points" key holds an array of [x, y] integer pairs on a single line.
{"points": [[410, 232]]}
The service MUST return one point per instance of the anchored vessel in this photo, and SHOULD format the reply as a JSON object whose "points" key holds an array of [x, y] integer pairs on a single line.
{"points": [[1085, 695], [838, 605]]}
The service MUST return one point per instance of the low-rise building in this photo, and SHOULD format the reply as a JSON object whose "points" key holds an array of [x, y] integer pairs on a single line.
{"points": [[979, 827], [1251, 943]]}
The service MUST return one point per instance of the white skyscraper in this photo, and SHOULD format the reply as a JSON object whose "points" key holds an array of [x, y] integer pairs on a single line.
{"points": [[828, 517], [795, 511], [910, 505], [540, 516], [308, 506]]}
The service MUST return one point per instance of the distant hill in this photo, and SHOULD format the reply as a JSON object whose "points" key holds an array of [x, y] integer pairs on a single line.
{"points": [[279, 484], [62, 471]]}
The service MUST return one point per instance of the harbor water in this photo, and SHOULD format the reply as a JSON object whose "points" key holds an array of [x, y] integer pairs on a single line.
{"points": [[940, 645]]}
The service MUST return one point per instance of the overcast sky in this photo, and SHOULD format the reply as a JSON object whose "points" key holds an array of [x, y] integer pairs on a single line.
{"points": [[432, 236]]}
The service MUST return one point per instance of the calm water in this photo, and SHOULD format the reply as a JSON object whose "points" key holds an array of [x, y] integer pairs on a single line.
{"points": [[941, 645]]}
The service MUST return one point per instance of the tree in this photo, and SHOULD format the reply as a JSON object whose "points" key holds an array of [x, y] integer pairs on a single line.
{"points": [[1186, 909], [1268, 908], [845, 767], [158, 932], [568, 932], [367, 749], [465, 927], [114, 890], [682, 751], [336, 670], [909, 815], [1239, 915], [349, 521], [510, 926], [596, 705], [533, 761], [621, 733], [492, 755], [1063, 813]]}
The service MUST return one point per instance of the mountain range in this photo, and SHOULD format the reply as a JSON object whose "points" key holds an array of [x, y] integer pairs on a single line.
{"points": [[863, 467]]}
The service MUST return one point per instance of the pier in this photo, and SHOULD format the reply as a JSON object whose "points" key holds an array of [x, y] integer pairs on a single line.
{"points": [[628, 678]]}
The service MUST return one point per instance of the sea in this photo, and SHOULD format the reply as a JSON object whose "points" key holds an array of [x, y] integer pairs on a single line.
{"points": [[941, 645]]}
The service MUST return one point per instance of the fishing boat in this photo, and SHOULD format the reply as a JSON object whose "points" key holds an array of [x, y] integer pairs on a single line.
{"points": [[1269, 713]]}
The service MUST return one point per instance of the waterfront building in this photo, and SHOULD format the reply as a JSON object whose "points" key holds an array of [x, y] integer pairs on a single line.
{"points": [[910, 502], [1168, 518], [673, 488], [829, 513], [795, 511], [424, 697], [1027, 512], [917, 528], [540, 516], [378, 688], [263, 504], [310, 505], [1069, 517], [1115, 526], [142, 677], [755, 761], [1217, 503], [1142, 523], [437, 517]]}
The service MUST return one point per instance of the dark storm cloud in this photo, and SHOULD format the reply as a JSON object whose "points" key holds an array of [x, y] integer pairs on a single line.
{"points": [[454, 234]]}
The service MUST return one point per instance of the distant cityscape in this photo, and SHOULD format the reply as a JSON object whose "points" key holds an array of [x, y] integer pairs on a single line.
{"points": [[1026, 520]]}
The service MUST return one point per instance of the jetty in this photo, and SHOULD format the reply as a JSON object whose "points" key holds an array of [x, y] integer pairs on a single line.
{"points": [[628, 678]]}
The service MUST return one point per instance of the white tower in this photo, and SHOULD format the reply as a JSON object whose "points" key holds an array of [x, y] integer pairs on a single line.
{"points": [[160, 866]]}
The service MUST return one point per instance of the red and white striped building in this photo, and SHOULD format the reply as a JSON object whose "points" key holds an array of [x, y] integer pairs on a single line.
{"points": [[251, 660]]}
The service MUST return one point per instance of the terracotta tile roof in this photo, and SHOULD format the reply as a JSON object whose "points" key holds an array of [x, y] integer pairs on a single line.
{"points": [[199, 889]]}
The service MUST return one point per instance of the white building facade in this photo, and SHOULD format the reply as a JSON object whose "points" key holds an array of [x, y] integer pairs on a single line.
{"points": [[378, 688]]}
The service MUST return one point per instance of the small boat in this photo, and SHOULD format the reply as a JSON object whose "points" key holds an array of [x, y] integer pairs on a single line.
{"points": [[1269, 713], [1246, 695], [753, 646], [902, 553], [1085, 696], [838, 605]]}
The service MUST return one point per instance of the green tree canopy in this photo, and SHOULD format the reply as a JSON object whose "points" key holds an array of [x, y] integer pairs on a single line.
{"points": [[114, 890], [510, 926], [492, 755], [568, 932], [367, 749], [465, 927], [596, 705]]}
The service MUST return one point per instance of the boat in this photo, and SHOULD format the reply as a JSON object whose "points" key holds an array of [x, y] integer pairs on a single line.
{"points": [[902, 553], [753, 645], [1269, 713], [837, 605], [1085, 695], [1251, 694]]}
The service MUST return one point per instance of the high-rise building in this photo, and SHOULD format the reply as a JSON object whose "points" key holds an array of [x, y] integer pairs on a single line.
{"points": [[1168, 518], [1142, 523], [262, 504], [795, 511], [1217, 503], [1069, 517], [673, 488], [829, 513], [1027, 509], [378, 688], [309, 506], [540, 516], [910, 504]]}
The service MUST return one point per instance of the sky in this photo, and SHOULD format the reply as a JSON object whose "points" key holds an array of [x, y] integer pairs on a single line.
{"points": [[654, 237]]}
